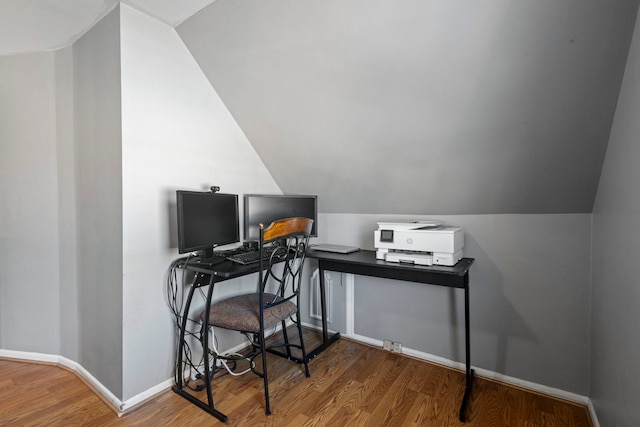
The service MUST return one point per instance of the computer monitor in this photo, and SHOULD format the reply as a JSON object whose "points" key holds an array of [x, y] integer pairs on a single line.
{"points": [[206, 220], [266, 208]]}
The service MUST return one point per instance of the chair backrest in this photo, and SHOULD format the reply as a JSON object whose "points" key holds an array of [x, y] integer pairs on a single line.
{"points": [[290, 237], [284, 228]]}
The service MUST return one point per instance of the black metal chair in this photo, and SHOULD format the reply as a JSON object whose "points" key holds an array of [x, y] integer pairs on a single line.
{"points": [[277, 299]]}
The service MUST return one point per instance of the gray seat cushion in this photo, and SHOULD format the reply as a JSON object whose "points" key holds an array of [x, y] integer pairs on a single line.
{"points": [[242, 313]]}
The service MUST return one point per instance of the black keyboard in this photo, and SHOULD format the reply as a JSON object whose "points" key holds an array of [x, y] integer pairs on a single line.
{"points": [[251, 257]]}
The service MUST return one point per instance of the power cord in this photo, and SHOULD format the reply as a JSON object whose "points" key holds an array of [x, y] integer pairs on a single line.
{"points": [[175, 299]]}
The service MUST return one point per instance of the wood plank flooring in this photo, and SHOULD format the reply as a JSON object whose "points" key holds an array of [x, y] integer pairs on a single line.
{"points": [[351, 384]]}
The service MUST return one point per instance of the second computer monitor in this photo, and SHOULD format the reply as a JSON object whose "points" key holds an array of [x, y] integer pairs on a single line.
{"points": [[266, 208]]}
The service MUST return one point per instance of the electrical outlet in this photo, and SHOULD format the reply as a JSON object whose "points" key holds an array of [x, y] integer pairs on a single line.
{"points": [[396, 347], [387, 345]]}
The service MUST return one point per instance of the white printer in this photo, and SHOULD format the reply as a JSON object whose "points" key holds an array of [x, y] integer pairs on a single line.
{"points": [[419, 242]]}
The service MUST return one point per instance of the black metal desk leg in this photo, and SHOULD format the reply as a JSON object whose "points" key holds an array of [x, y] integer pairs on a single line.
{"points": [[179, 387], [467, 341], [205, 346], [323, 305], [326, 339], [183, 326]]}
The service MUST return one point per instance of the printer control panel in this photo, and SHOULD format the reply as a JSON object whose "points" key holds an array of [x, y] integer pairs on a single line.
{"points": [[386, 236]]}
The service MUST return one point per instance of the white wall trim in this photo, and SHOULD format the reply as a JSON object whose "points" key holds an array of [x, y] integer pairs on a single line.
{"points": [[592, 412], [543, 389], [549, 391], [145, 395], [97, 386], [118, 406], [25, 355], [121, 407], [349, 281], [315, 306]]}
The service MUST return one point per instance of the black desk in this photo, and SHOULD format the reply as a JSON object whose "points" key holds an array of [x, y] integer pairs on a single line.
{"points": [[205, 275], [365, 263]]}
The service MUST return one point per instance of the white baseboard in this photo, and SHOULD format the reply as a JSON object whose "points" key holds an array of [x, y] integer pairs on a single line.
{"points": [[147, 394], [25, 355], [117, 405], [592, 412], [121, 407], [115, 402], [549, 391]]}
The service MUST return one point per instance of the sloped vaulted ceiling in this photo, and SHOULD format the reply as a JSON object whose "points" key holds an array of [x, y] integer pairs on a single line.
{"points": [[422, 107], [28, 26]]}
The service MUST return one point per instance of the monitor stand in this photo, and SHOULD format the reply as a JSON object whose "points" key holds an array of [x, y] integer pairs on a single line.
{"points": [[207, 253]]}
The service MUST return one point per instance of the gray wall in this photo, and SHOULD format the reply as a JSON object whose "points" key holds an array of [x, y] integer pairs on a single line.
{"points": [[95, 140], [176, 134], [530, 284], [616, 275], [29, 278], [98, 181], [529, 294], [422, 107], [66, 173]]}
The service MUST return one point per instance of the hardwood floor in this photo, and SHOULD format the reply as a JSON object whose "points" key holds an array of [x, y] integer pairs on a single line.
{"points": [[351, 384]]}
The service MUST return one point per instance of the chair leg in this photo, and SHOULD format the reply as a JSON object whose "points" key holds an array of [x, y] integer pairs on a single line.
{"points": [[304, 352], [264, 372], [285, 336]]}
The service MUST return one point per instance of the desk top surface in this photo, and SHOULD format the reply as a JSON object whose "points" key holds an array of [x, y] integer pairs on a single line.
{"points": [[368, 258], [225, 270], [364, 258]]}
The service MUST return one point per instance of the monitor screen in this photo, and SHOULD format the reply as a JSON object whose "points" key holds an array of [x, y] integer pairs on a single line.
{"points": [[266, 208], [206, 220]]}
